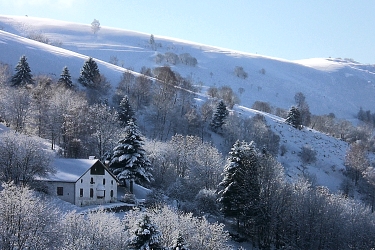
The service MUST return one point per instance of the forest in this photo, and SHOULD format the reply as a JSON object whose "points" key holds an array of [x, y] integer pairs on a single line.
{"points": [[220, 167]]}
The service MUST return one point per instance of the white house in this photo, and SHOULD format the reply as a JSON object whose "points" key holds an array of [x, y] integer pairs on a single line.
{"points": [[82, 182]]}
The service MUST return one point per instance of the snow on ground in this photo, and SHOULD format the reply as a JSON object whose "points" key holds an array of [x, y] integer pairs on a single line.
{"points": [[340, 86], [330, 85]]}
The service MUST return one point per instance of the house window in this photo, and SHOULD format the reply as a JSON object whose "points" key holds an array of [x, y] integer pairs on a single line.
{"points": [[81, 192], [103, 181], [81, 180], [92, 181], [91, 192], [111, 193], [104, 194], [111, 182], [60, 191]]}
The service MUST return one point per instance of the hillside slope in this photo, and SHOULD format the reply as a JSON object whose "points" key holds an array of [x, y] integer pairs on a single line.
{"points": [[330, 85]]}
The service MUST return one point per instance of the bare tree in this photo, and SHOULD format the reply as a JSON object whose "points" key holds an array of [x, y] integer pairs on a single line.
{"points": [[95, 26]]}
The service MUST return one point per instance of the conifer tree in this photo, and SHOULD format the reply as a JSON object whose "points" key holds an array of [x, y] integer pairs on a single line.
{"points": [[219, 116], [89, 74], [125, 111], [239, 189], [294, 117], [180, 243], [129, 160], [146, 235], [65, 78], [23, 74]]}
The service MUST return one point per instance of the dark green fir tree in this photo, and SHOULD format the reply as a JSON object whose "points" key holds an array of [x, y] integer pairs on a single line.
{"points": [[23, 75], [125, 111], [90, 74], [219, 116], [65, 78]]}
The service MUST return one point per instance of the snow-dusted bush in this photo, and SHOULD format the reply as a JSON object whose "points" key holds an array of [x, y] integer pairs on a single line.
{"points": [[198, 233], [240, 72], [205, 201], [22, 158], [171, 58], [307, 154], [26, 221], [159, 58], [187, 59], [262, 106], [96, 230]]}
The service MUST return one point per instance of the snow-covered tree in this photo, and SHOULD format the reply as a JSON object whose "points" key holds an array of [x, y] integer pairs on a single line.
{"points": [[104, 129], [294, 117], [23, 74], [22, 158], [65, 78], [26, 220], [219, 116], [96, 230], [239, 189], [144, 235], [125, 111], [180, 243], [129, 160], [95, 26]]}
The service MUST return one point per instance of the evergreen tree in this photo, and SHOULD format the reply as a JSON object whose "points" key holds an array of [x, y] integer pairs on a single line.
{"points": [[129, 160], [240, 188], [146, 235], [23, 74], [180, 243], [219, 116], [89, 74], [294, 117], [125, 111], [65, 78]]}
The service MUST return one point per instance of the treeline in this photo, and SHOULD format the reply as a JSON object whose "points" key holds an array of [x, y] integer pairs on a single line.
{"points": [[29, 220]]}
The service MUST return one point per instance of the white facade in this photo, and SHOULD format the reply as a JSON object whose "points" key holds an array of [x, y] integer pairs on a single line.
{"points": [[82, 182], [102, 188]]}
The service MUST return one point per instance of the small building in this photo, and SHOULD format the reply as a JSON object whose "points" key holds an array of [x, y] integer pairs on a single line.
{"points": [[82, 182]]}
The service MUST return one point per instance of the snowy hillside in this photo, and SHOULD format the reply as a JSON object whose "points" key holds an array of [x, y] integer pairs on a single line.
{"points": [[330, 85]]}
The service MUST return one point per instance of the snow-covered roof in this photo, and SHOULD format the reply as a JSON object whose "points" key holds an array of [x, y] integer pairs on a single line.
{"points": [[70, 170]]}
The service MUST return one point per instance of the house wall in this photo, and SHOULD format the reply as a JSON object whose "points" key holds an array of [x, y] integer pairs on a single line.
{"points": [[68, 190], [85, 183]]}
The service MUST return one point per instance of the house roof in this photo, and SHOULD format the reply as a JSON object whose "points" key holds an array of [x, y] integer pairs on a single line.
{"points": [[69, 170]]}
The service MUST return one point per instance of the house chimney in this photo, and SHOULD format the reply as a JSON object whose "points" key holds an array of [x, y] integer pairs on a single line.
{"points": [[91, 157]]}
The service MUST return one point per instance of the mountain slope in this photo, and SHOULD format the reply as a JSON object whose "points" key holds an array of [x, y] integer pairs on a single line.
{"points": [[330, 85]]}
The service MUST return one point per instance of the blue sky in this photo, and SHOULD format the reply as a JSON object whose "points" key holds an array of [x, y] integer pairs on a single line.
{"points": [[289, 29]]}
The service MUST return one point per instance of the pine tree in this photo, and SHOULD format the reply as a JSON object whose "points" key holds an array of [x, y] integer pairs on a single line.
{"points": [[240, 188], [146, 235], [219, 116], [294, 117], [180, 243], [129, 160], [89, 74], [23, 74], [125, 111], [65, 78]]}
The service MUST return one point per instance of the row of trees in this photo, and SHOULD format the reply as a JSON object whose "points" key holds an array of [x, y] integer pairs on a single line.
{"points": [[29, 220], [276, 213]]}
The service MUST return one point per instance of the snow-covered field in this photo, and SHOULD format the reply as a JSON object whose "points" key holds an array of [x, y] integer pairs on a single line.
{"points": [[330, 85]]}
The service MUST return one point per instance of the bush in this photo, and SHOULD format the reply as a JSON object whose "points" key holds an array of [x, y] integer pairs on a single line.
{"points": [[308, 154], [262, 106], [240, 72]]}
